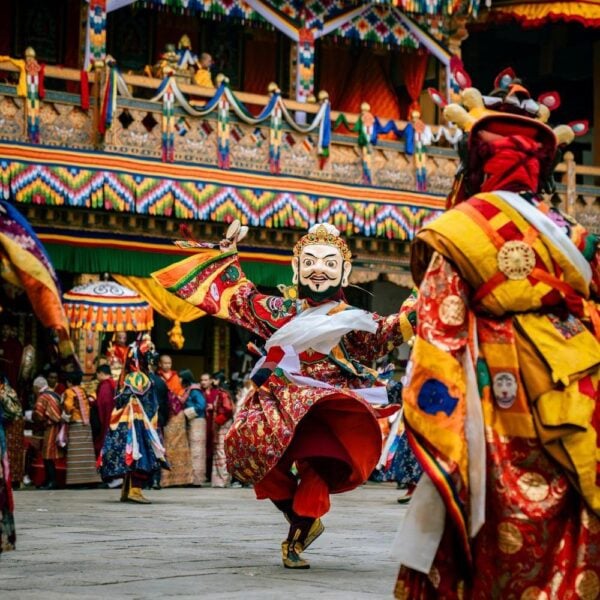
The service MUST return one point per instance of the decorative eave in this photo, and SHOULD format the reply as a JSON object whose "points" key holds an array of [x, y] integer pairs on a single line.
{"points": [[541, 12]]}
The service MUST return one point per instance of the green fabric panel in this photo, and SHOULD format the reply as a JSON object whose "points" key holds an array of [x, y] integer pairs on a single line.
{"points": [[76, 259]]}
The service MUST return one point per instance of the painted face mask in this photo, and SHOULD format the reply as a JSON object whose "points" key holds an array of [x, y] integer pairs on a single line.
{"points": [[321, 264]]}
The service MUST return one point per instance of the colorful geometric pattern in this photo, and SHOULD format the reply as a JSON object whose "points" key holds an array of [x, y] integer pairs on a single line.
{"points": [[306, 66], [97, 29], [142, 186], [236, 9], [314, 12], [378, 25]]}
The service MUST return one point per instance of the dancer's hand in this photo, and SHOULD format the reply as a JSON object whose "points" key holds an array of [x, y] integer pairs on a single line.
{"points": [[235, 233]]}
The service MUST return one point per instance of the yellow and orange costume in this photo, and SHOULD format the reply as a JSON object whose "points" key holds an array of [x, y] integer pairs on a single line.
{"points": [[502, 403]]}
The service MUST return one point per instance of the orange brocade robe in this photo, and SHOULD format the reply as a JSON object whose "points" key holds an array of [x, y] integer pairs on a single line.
{"points": [[330, 432]]}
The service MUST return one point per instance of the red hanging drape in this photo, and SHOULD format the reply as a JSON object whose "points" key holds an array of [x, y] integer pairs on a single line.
{"points": [[260, 64], [414, 68], [369, 81], [335, 66]]}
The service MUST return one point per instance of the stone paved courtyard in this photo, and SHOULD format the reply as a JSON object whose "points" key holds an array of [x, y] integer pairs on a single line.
{"points": [[194, 543]]}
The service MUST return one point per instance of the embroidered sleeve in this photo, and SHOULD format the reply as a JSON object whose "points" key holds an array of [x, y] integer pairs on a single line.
{"points": [[435, 392], [441, 313], [365, 347], [391, 332], [219, 287]]}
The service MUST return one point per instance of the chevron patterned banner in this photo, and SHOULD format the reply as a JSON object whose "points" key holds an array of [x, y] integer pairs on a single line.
{"points": [[100, 181]]}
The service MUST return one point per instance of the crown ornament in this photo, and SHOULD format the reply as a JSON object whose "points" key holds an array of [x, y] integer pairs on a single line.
{"points": [[508, 99], [323, 233]]}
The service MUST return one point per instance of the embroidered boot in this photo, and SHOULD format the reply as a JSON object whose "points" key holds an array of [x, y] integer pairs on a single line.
{"points": [[316, 529], [290, 552], [135, 495]]}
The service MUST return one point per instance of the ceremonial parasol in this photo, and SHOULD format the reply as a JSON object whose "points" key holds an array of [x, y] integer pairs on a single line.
{"points": [[107, 306]]}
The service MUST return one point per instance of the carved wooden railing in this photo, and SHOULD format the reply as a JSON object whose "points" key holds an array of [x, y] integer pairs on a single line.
{"points": [[579, 192]]}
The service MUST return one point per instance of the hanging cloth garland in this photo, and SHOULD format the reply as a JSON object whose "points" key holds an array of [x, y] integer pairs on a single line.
{"points": [[34, 75], [365, 128], [109, 102], [223, 131], [168, 123], [275, 135]]}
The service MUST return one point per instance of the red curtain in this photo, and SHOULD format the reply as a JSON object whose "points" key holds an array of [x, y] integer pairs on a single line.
{"points": [[352, 79], [414, 68], [335, 67], [260, 64]]}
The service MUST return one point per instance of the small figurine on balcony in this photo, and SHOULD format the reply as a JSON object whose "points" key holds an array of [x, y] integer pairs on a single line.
{"points": [[314, 401], [167, 63], [187, 61]]}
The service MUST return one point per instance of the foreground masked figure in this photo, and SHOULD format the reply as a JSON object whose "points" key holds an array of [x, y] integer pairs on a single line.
{"points": [[312, 404], [502, 401]]}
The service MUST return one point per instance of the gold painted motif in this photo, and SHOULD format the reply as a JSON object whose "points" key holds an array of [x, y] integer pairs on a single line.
{"points": [[452, 310], [533, 486], [510, 539], [534, 593], [587, 585], [590, 521], [516, 259]]}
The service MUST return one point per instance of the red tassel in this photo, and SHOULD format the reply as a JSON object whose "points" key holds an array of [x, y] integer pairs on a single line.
{"points": [[41, 75], [85, 91]]}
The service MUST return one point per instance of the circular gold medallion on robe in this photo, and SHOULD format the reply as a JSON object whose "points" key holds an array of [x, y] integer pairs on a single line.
{"points": [[510, 539], [590, 521], [534, 593], [587, 585], [533, 486], [452, 310], [516, 259]]}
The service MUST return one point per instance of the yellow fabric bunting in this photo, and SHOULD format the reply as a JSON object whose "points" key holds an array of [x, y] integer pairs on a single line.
{"points": [[166, 304]]}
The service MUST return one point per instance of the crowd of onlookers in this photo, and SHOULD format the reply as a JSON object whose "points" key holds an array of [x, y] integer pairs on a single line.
{"points": [[58, 439]]}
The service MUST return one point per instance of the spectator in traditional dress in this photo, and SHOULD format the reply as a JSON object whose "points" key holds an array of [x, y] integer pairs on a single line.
{"points": [[53, 382], [104, 405], [81, 461], [175, 431], [222, 420], [195, 413], [47, 412]]}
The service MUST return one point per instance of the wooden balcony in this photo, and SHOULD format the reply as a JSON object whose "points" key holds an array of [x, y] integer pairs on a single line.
{"points": [[136, 131]]}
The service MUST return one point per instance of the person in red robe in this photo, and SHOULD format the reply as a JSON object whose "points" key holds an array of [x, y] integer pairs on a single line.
{"points": [[313, 406], [211, 394], [104, 404], [118, 349]]}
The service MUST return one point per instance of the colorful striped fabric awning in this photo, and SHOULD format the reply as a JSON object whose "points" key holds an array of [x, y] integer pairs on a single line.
{"points": [[107, 306]]}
